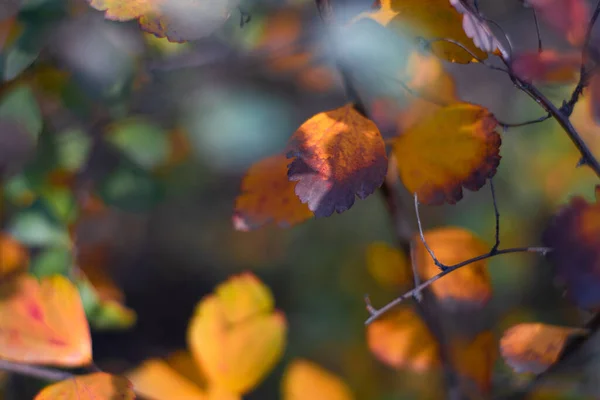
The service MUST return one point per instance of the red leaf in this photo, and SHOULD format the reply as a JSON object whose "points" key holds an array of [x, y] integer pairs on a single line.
{"points": [[569, 17]]}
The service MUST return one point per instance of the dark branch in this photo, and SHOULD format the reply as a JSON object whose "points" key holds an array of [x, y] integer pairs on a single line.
{"points": [[497, 216]]}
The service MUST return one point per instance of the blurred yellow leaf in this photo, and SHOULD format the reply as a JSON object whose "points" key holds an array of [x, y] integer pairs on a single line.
{"points": [[156, 380], [304, 380], [235, 334], [387, 265], [43, 322], [468, 286], [13, 256], [534, 347], [97, 386]]}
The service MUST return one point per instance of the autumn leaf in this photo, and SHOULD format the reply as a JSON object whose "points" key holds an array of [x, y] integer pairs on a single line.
{"points": [[574, 237], [401, 339], [456, 147], [477, 29], [177, 20], [43, 322], [268, 195], [387, 265], [235, 334], [474, 359], [547, 66], [13, 256], [305, 380], [468, 286], [337, 155], [534, 347], [569, 17], [99, 385]]}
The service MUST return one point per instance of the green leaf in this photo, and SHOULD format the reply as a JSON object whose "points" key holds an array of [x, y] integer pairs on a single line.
{"points": [[19, 105], [143, 142], [23, 52], [72, 148], [54, 260], [60, 202], [35, 228], [103, 315], [130, 188]]}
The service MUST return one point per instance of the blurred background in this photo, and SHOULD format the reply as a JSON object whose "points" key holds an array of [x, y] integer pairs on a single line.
{"points": [[136, 146]]}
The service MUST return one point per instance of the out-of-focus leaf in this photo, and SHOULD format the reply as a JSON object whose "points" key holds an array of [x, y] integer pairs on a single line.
{"points": [[156, 380], [304, 380], [239, 317], [13, 255], [547, 66], [568, 17], [177, 20], [474, 360], [268, 195], [574, 237], [337, 155], [17, 148], [456, 147], [20, 106], [72, 148], [32, 322], [52, 261], [97, 386], [61, 203], [24, 51], [534, 347], [468, 286], [387, 265], [142, 141], [400, 339], [130, 188], [34, 228]]}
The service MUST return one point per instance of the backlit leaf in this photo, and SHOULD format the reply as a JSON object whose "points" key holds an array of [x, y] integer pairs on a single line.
{"points": [[547, 66], [337, 155], [156, 380], [13, 256], [534, 347], [474, 359], [400, 339], [569, 17], [387, 265], [177, 20], [476, 28], [268, 195], [574, 237], [236, 335], [304, 380], [456, 147], [43, 322], [97, 386], [468, 286]]}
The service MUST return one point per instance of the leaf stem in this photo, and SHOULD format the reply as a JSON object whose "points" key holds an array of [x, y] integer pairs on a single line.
{"points": [[34, 371]]}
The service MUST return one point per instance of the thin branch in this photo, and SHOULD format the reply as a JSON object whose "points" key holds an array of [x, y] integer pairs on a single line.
{"points": [[34, 371], [497, 216], [435, 260], [537, 30], [378, 312], [505, 125], [427, 43]]}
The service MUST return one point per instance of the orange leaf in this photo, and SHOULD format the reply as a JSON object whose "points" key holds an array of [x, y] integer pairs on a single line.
{"points": [[467, 286], [304, 380], [95, 386], [456, 147], [387, 265], [401, 340], [547, 66], [337, 155], [569, 17], [156, 380], [574, 237], [236, 335], [268, 195], [475, 358], [13, 256], [534, 347], [178, 21], [43, 323]]}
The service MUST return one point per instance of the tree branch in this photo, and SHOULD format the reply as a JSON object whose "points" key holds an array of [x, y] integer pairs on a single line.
{"points": [[34, 371]]}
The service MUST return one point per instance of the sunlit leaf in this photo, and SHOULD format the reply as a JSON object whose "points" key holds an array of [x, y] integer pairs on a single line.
{"points": [[468, 286], [569, 17], [97, 386], [236, 335], [574, 237], [156, 380], [534, 347], [456, 147], [177, 20], [13, 256], [304, 380], [268, 195], [547, 66], [43, 322], [474, 358], [387, 265], [400, 339], [337, 155]]}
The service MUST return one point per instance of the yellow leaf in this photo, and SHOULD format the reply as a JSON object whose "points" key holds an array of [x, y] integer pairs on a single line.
{"points": [[156, 380], [338, 154], [268, 195], [43, 323], [456, 147], [474, 359], [400, 339], [387, 265], [236, 336], [13, 256], [97, 386], [534, 347], [468, 286], [304, 380]]}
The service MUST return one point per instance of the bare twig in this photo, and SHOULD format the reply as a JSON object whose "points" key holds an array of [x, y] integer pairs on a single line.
{"points": [[505, 125], [497, 216], [435, 260], [537, 30]]}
